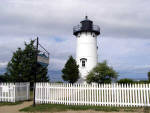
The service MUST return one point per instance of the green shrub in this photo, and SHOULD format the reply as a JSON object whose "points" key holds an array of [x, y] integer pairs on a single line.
{"points": [[142, 81], [125, 81], [58, 82]]}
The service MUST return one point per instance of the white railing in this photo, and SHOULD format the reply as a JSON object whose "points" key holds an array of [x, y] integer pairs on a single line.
{"points": [[12, 92], [98, 95]]}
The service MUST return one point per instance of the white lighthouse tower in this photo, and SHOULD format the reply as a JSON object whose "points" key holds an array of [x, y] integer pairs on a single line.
{"points": [[86, 47]]}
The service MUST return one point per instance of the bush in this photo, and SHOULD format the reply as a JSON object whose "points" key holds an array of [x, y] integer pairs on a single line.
{"points": [[58, 82], [148, 74], [142, 81], [102, 73], [125, 81]]}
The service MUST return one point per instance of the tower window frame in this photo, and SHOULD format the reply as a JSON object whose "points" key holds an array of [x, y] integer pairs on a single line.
{"points": [[83, 62]]}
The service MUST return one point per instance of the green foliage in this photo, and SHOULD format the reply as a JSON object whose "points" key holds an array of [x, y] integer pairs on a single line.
{"points": [[102, 73], [2, 78], [142, 82], [148, 74], [125, 81], [58, 82], [130, 81], [22, 66], [70, 71], [60, 107]]}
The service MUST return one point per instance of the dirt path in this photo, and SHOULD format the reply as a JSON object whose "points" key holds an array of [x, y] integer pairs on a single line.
{"points": [[14, 108]]}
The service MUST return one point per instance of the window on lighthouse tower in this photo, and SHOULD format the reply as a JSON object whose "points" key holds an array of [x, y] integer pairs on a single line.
{"points": [[83, 62]]}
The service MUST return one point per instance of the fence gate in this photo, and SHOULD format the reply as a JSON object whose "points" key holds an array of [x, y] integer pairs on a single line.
{"points": [[12, 92]]}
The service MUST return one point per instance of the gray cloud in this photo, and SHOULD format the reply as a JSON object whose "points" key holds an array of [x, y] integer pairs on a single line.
{"points": [[117, 18], [124, 29]]}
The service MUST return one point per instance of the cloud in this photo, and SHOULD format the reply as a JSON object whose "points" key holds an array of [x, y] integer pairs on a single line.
{"points": [[127, 56], [117, 18], [124, 39], [3, 64]]}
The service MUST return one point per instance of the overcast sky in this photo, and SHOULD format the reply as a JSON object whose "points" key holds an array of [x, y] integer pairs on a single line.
{"points": [[125, 31]]}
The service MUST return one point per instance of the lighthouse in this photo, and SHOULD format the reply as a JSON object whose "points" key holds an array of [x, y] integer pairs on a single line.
{"points": [[86, 47]]}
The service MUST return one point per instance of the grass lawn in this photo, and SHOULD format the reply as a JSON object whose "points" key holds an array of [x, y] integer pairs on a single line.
{"points": [[9, 103], [60, 107]]}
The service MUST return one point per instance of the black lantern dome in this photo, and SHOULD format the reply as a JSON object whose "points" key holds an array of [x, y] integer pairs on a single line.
{"points": [[86, 26]]}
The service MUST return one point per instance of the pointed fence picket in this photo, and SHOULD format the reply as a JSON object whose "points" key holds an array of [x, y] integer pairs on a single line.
{"points": [[93, 94], [12, 92]]}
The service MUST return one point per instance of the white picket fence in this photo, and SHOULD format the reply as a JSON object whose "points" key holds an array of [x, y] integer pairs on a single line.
{"points": [[13, 92], [98, 95]]}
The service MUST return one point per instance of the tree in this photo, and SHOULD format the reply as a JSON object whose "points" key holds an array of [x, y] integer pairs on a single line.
{"points": [[148, 76], [125, 81], [22, 66], [70, 71], [102, 73], [2, 78]]}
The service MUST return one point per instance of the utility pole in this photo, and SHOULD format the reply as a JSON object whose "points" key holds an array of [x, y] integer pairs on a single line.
{"points": [[35, 70]]}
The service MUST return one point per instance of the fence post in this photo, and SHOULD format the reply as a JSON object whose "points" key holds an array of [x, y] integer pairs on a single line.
{"points": [[14, 92], [147, 95], [27, 91]]}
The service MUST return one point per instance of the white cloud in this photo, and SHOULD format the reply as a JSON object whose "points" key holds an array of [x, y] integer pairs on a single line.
{"points": [[124, 39], [3, 64]]}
